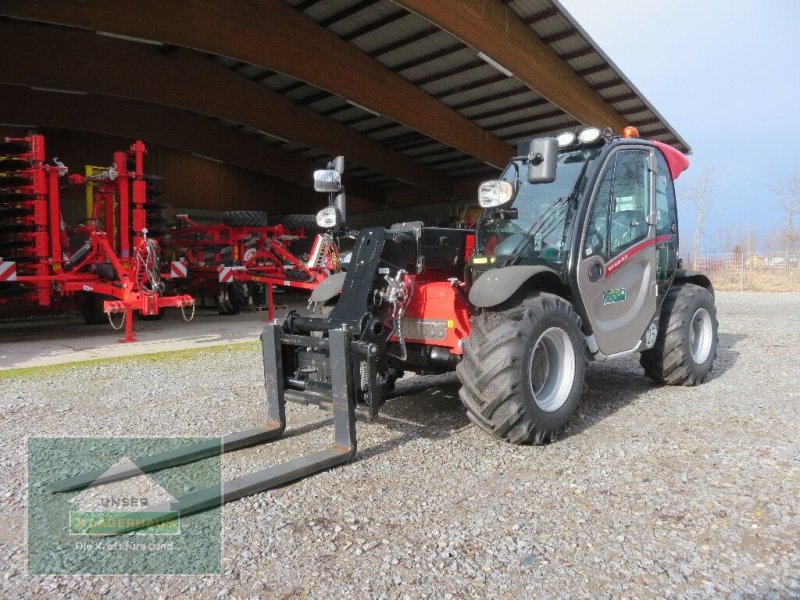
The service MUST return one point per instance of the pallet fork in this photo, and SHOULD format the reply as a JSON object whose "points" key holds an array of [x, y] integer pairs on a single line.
{"points": [[349, 363], [343, 449]]}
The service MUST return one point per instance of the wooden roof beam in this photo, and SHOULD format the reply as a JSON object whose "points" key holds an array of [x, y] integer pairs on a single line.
{"points": [[273, 35], [180, 130], [490, 27], [118, 68]]}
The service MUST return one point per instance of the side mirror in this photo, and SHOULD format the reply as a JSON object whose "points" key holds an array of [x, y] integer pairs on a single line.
{"points": [[542, 160], [327, 180], [329, 217]]}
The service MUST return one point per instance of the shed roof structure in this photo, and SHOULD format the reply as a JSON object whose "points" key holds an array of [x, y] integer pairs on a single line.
{"points": [[421, 97]]}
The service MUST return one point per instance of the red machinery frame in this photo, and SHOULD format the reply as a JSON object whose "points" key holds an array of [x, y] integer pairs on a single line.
{"points": [[56, 278], [255, 255]]}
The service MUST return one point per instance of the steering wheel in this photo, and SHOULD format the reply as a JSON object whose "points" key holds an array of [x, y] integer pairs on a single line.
{"points": [[594, 241]]}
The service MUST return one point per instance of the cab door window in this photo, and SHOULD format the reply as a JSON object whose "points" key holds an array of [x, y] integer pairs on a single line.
{"points": [[617, 219], [666, 225], [630, 199], [665, 198]]}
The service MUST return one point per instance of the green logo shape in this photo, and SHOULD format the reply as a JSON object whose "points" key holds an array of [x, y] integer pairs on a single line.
{"points": [[125, 526], [614, 296]]}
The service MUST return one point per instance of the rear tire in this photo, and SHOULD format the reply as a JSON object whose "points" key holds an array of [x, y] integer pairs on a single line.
{"points": [[523, 370], [245, 218], [687, 338]]}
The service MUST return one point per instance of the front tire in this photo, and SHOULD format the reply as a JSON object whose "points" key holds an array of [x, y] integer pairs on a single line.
{"points": [[523, 370], [686, 345]]}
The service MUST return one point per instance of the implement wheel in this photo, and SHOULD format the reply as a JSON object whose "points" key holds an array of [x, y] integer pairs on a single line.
{"points": [[686, 345], [523, 370], [91, 307], [244, 218], [233, 297], [304, 222]]}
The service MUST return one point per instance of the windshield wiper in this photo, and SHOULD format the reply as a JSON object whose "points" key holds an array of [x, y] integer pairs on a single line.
{"points": [[535, 227], [539, 223]]}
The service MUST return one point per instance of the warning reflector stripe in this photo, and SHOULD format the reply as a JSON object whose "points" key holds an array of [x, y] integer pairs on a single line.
{"points": [[177, 270], [8, 271], [226, 273]]}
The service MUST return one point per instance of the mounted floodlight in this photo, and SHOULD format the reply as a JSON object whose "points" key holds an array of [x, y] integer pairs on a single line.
{"points": [[327, 180], [494, 193], [589, 135], [328, 217], [565, 139]]}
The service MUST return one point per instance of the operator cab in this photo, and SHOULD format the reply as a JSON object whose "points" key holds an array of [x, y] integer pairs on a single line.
{"points": [[597, 211]]}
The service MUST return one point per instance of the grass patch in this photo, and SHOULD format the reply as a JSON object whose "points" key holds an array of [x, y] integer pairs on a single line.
{"points": [[168, 357]]}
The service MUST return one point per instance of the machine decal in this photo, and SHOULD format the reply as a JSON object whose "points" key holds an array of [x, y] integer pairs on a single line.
{"points": [[613, 296], [626, 256]]}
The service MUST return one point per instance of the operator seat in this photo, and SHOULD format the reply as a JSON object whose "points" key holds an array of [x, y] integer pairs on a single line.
{"points": [[627, 227]]}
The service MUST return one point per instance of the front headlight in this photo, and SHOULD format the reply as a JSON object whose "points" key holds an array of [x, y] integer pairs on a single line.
{"points": [[327, 180], [327, 217], [494, 193]]}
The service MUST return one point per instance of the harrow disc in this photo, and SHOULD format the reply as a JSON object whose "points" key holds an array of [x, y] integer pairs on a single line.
{"points": [[6, 245], [12, 197], [14, 147], [9, 181], [11, 213], [6, 228], [11, 163]]}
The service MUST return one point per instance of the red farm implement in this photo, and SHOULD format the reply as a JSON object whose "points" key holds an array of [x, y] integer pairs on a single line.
{"points": [[227, 260], [117, 269]]}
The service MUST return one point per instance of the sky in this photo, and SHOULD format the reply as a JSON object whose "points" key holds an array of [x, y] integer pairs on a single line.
{"points": [[726, 76]]}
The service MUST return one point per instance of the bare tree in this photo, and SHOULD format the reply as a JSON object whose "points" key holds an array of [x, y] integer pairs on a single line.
{"points": [[702, 196], [789, 198]]}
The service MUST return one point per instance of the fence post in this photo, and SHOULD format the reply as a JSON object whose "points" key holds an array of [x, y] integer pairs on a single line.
{"points": [[741, 274]]}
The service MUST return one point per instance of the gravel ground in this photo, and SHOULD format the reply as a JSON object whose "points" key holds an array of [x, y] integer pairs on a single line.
{"points": [[654, 492]]}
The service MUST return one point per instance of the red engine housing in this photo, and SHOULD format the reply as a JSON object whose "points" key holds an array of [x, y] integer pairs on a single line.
{"points": [[437, 315]]}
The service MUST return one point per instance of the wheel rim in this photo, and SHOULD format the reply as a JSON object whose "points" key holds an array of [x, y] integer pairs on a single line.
{"points": [[701, 336], [552, 369]]}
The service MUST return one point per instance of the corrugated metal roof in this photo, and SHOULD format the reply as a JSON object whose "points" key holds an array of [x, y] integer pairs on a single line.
{"points": [[452, 72]]}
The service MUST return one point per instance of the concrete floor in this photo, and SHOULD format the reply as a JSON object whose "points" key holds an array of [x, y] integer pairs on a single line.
{"points": [[65, 339]]}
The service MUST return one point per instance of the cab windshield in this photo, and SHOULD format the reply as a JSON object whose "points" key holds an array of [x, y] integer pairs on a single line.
{"points": [[534, 225]]}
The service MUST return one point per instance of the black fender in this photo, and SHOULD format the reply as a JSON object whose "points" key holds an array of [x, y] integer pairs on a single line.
{"points": [[495, 286], [328, 287], [695, 277]]}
